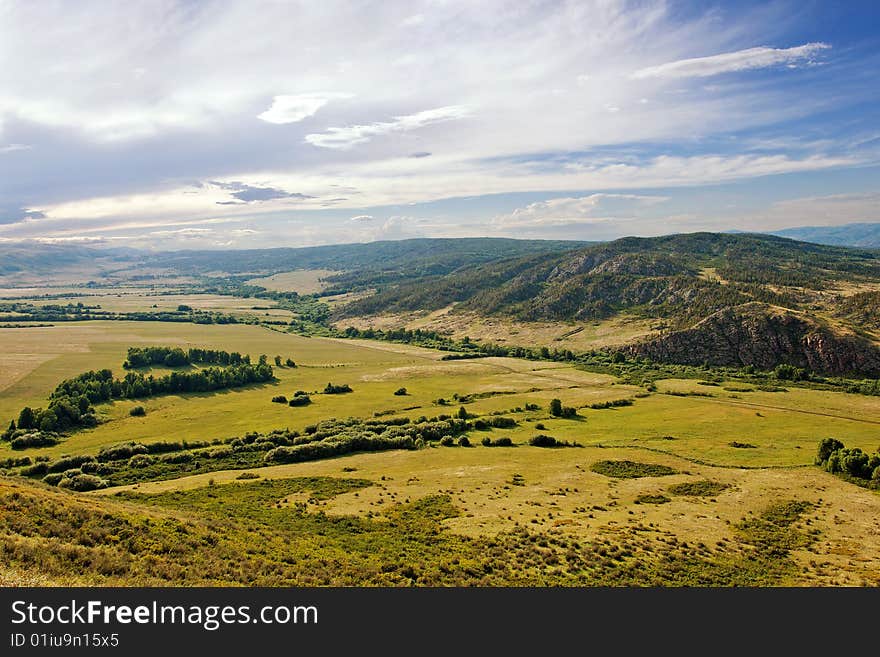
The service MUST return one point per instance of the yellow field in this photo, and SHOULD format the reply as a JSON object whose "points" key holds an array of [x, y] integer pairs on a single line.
{"points": [[577, 336], [303, 281]]}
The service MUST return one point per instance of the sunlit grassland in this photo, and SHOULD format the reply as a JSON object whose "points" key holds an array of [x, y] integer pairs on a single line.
{"points": [[302, 281]]}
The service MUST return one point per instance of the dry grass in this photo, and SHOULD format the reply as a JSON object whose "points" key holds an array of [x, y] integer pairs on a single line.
{"points": [[303, 281]]}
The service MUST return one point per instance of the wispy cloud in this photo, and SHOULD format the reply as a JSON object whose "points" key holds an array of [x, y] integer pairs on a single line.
{"points": [[349, 136], [730, 62], [363, 218], [565, 211], [251, 193], [292, 109], [12, 148]]}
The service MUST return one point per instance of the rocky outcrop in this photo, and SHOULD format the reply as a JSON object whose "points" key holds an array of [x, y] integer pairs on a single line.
{"points": [[764, 336]]}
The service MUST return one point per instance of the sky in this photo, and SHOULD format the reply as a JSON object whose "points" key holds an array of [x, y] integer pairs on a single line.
{"points": [[203, 124]]}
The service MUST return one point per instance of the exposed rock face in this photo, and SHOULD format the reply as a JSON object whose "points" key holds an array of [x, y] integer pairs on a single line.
{"points": [[764, 336]]}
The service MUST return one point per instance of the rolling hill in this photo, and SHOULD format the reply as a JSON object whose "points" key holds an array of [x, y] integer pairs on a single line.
{"points": [[701, 285]]}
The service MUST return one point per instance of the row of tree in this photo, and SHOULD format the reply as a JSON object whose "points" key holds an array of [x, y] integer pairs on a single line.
{"points": [[177, 357], [70, 404]]}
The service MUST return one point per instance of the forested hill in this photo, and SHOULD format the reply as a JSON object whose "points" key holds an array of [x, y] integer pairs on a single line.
{"points": [[412, 257], [681, 281], [682, 277]]}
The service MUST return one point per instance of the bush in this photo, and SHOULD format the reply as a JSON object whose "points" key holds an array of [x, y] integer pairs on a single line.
{"points": [[35, 470], [53, 479], [248, 475], [464, 442], [631, 469], [69, 462], [501, 422], [447, 441], [337, 389], [121, 451], [141, 461], [300, 400], [82, 482], [279, 399], [400, 392], [558, 410], [137, 411], [503, 441], [542, 440], [179, 457], [36, 439], [540, 427], [826, 447]]}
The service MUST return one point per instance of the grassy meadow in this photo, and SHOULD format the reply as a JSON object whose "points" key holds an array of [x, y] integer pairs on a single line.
{"points": [[754, 511]]}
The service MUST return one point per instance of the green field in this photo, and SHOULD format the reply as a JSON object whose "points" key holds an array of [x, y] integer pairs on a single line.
{"points": [[494, 493]]}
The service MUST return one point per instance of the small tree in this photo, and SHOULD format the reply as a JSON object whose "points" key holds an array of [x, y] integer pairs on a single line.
{"points": [[26, 418], [462, 413], [289, 363], [278, 361], [10, 430], [555, 407]]}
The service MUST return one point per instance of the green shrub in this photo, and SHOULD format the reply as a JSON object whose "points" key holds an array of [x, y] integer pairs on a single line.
{"points": [[137, 411], [631, 469], [464, 442], [279, 399], [36, 439], [83, 482], [141, 461], [400, 392], [299, 400], [447, 441]]}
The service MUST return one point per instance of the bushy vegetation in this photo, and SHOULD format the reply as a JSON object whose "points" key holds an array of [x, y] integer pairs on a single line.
{"points": [[631, 469], [543, 440], [854, 464], [332, 389], [501, 441], [177, 357], [558, 410], [70, 404], [704, 488], [137, 411], [300, 399]]}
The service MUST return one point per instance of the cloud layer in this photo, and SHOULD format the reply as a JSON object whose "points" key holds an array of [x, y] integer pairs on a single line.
{"points": [[264, 123]]}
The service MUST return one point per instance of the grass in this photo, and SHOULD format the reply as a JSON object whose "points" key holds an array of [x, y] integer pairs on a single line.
{"points": [[303, 281], [520, 516]]}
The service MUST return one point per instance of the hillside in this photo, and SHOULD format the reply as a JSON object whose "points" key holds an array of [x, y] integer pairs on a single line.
{"points": [[863, 235], [679, 280]]}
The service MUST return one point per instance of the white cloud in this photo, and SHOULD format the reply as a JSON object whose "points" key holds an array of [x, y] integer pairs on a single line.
{"points": [[566, 211], [292, 109], [12, 148], [363, 218], [344, 138], [741, 60]]}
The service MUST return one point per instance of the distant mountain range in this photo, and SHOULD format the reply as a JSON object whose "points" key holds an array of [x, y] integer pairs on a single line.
{"points": [[864, 235]]}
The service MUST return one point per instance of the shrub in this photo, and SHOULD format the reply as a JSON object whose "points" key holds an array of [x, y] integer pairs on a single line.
{"points": [[279, 399], [179, 457], [486, 441], [400, 392], [36, 439], [503, 441], [652, 499], [69, 462], [501, 422], [533, 407], [141, 461], [447, 441], [248, 475], [826, 447], [332, 389], [540, 427], [542, 440], [704, 488], [464, 442], [53, 478], [137, 411], [300, 400], [82, 482], [121, 451], [35, 470], [631, 469]]}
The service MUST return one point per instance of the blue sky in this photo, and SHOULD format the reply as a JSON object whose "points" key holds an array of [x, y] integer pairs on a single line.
{"points": [[216, 124]]}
